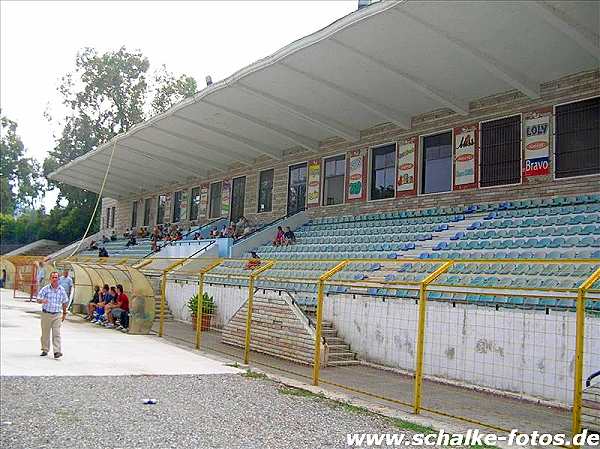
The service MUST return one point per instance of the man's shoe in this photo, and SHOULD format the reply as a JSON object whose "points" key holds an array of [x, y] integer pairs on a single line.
{"points": [[43, 354], [57, 355]]}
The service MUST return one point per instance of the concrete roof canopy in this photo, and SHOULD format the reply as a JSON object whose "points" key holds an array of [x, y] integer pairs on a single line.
{"points": [[384, 63]]}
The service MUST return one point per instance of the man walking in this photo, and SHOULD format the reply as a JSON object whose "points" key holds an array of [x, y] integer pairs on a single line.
{"points": [[53, 299]]}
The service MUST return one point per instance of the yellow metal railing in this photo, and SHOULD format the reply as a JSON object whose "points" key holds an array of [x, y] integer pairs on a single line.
{"points": [[579, 350]]}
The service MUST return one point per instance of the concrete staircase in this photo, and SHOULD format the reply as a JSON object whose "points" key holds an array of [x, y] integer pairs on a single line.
{"points": [[339, 352], [281, 329], [155, 282]]}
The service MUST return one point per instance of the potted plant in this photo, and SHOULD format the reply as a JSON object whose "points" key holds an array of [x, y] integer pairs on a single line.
{"points": [[208, 309]]}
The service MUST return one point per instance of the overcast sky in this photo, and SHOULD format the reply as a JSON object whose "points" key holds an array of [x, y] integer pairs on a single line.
{"points": [[40, 40]]}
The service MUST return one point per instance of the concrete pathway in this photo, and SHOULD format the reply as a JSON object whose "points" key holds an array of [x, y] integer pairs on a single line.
{"points": [[89, 350]]}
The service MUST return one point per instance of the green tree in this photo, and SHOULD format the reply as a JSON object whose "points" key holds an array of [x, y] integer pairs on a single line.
{"points": [[107, 94], [169, 90], [20, 181]]}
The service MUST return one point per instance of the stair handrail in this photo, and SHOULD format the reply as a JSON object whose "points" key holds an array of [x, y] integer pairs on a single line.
{"points": [[588, 381], [265, 225]]}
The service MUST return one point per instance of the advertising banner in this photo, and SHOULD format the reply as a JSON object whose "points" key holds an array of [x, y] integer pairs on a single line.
{"points": [[407, 161], [203, 206], [536, 139], [356, 176], [226, 198], [465, 157], [313, 194]]}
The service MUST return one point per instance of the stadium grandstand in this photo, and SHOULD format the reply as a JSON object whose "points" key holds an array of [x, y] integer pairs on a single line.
{"points": [[412, 157]]}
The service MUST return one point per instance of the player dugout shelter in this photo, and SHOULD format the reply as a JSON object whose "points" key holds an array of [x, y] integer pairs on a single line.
{"points": [[400, 104]]}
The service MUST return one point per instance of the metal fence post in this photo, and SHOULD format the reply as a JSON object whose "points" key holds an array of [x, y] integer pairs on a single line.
{"points": [[199, 305], [318, 325], [250, 302], [163, 294], [421, 333], [579, 349]]}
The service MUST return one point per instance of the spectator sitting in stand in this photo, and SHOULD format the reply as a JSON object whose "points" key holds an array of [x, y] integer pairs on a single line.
{"points": [[178, 235], [131, 242], [289, 236], [128, 232], [197, 236], [102, 252], [113, 235], [93, 245], [254, 261], [93, 303], [279, 237], [105, 239], [214, 233]]}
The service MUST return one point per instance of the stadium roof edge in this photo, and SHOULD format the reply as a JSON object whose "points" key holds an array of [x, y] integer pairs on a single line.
{"points": [[263, 116]]}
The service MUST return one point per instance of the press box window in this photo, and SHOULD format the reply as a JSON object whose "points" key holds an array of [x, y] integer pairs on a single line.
{"points": [[334, 178], [577, 147], [383, 172], [265, 191], [147, 206], [500, 153], [437, 163]]}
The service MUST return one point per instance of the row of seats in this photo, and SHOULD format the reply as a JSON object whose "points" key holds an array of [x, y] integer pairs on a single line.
{"points": [[389, 228], [549, 202], [563, 220], [503, 243], [528, 232]]}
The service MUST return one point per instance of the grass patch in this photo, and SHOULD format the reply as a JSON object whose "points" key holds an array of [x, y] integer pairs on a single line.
{"points": [[405, 425], [254, 375], [291, 391], [233, 365]]}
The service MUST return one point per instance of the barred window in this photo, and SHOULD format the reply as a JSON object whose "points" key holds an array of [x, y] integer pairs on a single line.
{"points": [[577, 144], [500, 153], [112, 217]]}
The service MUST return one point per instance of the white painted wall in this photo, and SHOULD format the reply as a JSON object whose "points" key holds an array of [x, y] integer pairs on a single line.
{"points": [[227, 299], [520, 351]]}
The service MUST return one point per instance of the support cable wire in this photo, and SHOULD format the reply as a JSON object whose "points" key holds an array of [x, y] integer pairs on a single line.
{"points": [[112, 153]]}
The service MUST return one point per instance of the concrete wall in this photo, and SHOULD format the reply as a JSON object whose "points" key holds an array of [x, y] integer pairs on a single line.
{"points": [[227, 299], [519, 351], [570, 88]]}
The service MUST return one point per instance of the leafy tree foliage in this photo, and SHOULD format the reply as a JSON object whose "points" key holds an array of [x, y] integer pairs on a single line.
{"points": [[20, 182], [107, 94]]}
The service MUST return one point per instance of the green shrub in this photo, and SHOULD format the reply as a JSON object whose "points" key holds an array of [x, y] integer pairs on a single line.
{"points": [[208, 304]]}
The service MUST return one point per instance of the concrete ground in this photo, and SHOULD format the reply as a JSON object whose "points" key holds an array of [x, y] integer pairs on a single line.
{"points": [[93, 397], [393, 390]]}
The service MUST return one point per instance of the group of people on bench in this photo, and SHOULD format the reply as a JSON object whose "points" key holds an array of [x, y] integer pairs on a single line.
{"points": [[233, 230], [109, 307]]}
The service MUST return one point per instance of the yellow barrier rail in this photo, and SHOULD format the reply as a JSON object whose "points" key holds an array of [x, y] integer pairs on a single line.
{"points": [[318, 328], [199, 306], [579, 350], [421, 332], [253, 276]]}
